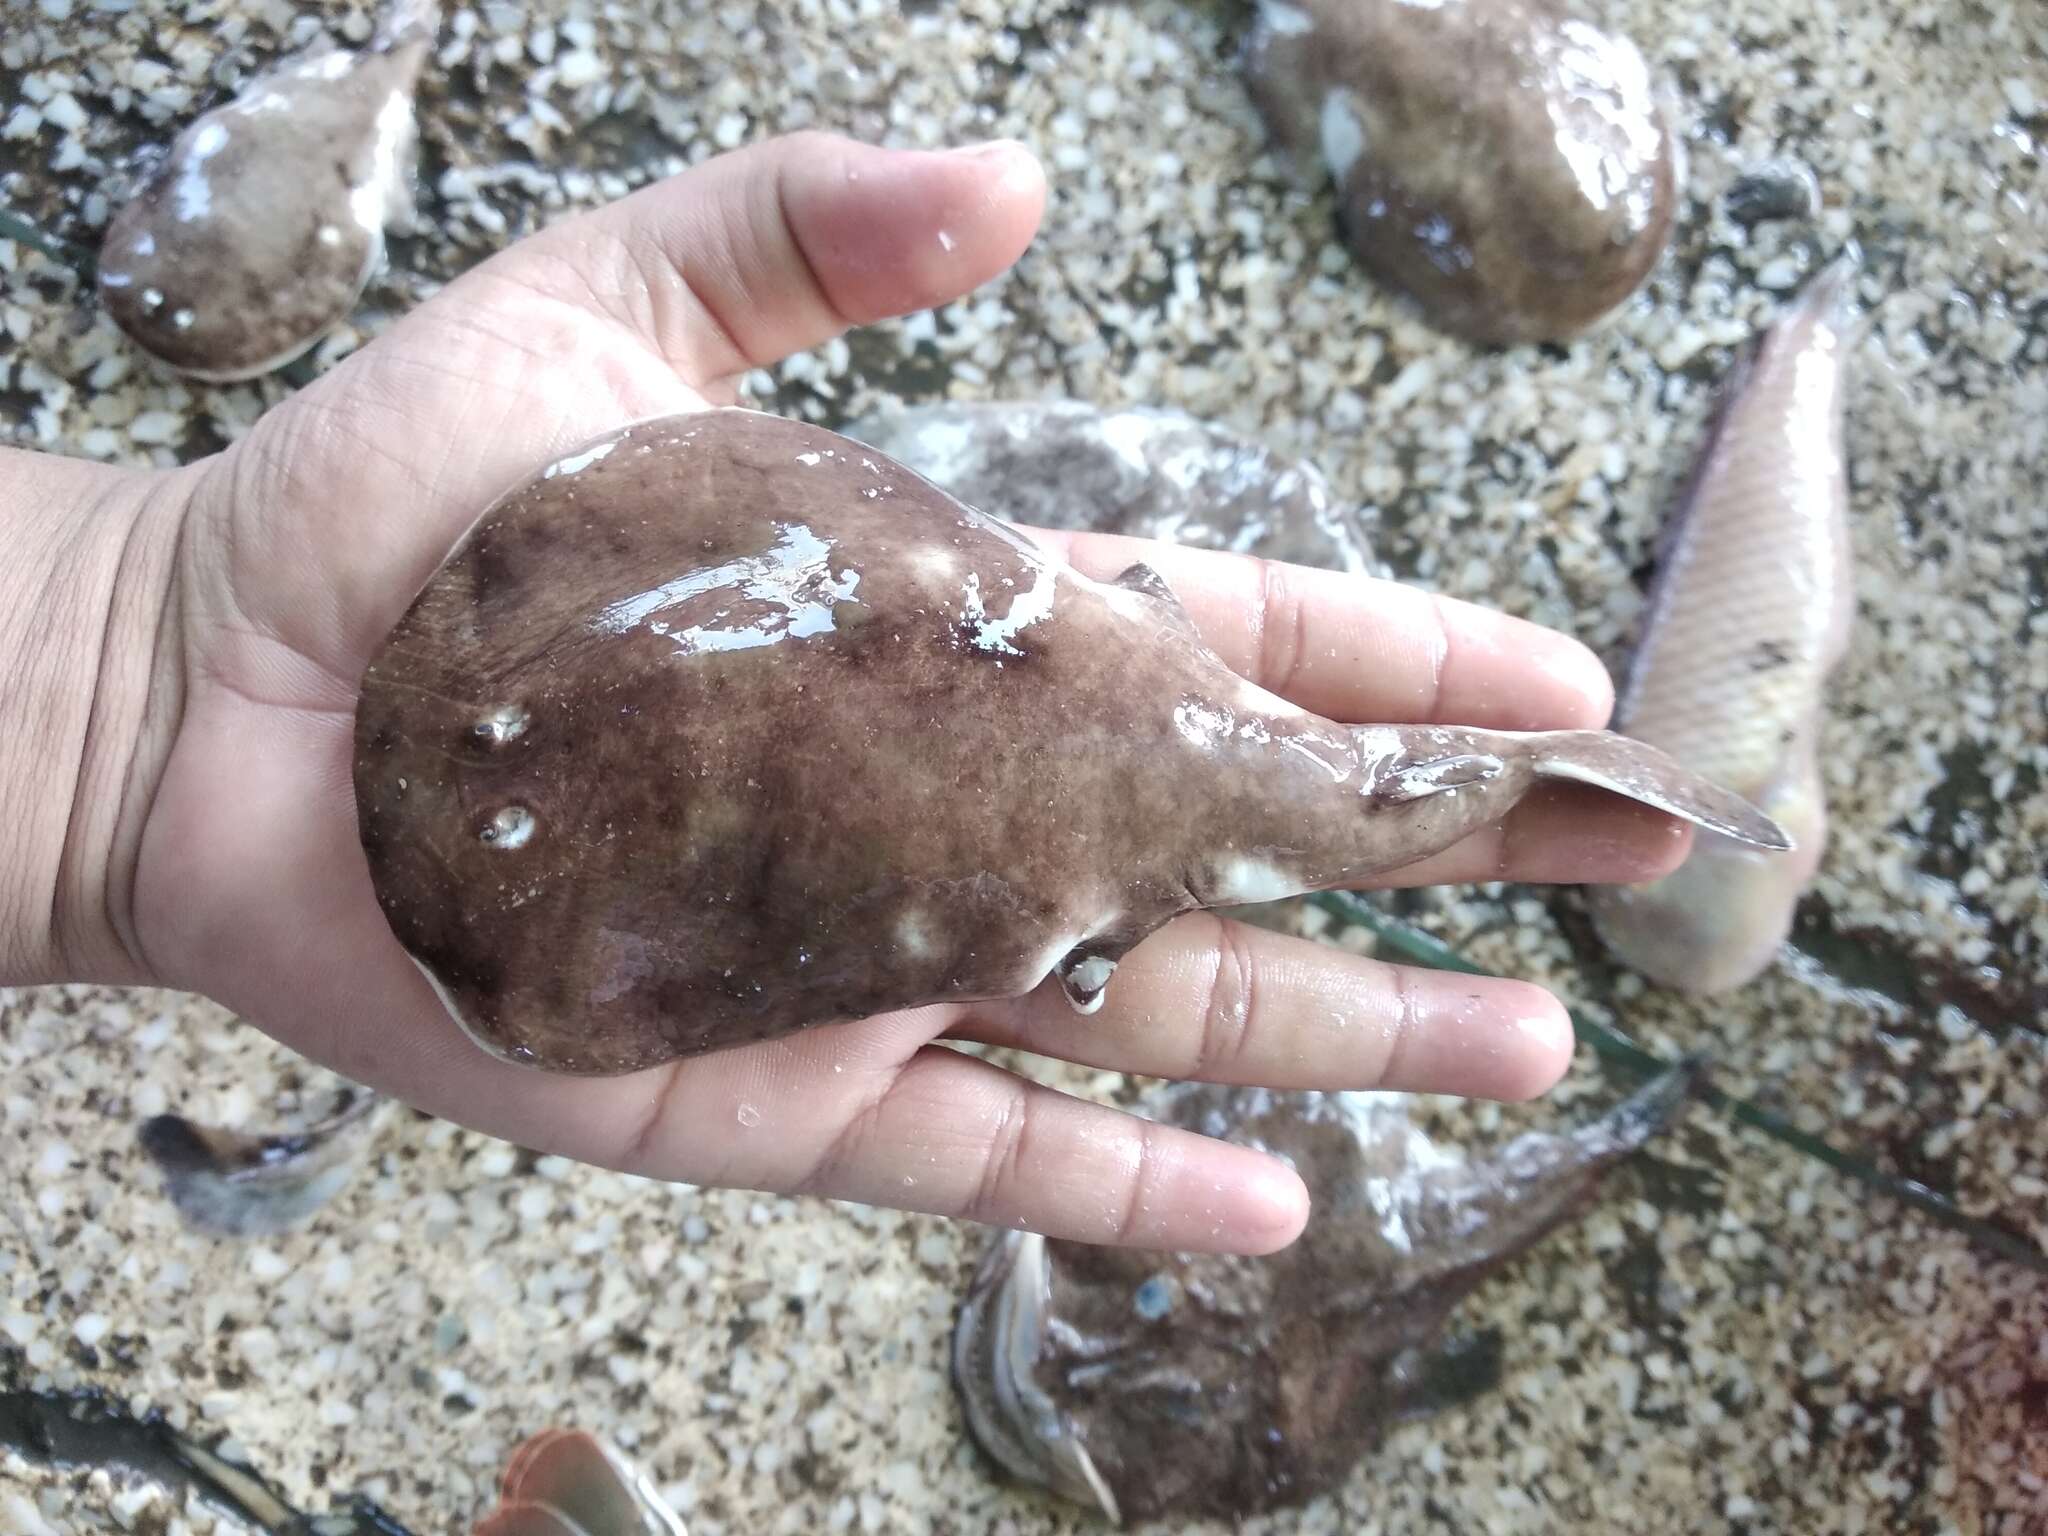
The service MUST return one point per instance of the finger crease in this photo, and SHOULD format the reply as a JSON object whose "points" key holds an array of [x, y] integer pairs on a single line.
{"points": [[1283, 637], [838, 1154], [1005, 1158], [830, 305], [1142, 1179], [1407, 1021], [1226, 1020], [640, 1148], [1439, 660]]}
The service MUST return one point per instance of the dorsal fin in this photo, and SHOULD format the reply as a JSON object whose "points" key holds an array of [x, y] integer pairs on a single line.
{"points": [[1143, 579]]}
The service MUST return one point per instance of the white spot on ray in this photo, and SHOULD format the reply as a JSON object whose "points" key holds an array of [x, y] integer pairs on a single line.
{"points": [[914, 936], [1249, 881]]}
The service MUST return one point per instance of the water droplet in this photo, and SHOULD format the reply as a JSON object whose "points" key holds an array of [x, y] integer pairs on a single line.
{"points": [[749, 1116]]}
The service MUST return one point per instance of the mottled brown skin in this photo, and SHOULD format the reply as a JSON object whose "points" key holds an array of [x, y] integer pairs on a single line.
{"points": [[1462, 137], [259, 228], [1144, 473], [1209, 1385], [729, 726]]}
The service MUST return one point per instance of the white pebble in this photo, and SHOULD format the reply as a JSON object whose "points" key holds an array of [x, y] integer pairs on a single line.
{"points": [[731, 130], [157, 427], [67, 114], [580, 68]]}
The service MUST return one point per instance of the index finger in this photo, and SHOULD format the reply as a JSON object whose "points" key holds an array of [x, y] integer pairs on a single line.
{"points": [[1360, 650]]}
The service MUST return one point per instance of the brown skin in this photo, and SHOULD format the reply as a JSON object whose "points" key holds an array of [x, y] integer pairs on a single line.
{"points": [[250, 239], [727, 726], [1207, 1386], [1462, 193]]}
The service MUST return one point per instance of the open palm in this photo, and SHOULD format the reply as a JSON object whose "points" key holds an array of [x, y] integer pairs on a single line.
{"points": [[303, 544]]}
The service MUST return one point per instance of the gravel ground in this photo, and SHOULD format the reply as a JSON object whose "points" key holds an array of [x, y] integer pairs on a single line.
{"points": [[1735, 1341]]}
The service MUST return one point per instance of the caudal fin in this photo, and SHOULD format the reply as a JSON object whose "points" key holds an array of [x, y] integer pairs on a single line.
{"points": [[1641, 772], [1470, 1218]]}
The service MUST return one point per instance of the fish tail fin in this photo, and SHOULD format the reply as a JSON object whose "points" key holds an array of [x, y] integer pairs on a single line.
{"points": [[1476, 1216], [1638, 771]]}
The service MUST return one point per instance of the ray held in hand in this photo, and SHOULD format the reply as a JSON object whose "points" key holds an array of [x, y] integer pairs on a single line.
{"points": [[726, 726]]}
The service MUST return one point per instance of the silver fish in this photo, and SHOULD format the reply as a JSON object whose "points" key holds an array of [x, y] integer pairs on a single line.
{"points": [[1749, 614], [262, 225], [1143, 472], [725, 726], [1174, 1385]]}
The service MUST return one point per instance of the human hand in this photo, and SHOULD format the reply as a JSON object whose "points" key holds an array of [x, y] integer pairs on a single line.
{"points": [[230, 864]]}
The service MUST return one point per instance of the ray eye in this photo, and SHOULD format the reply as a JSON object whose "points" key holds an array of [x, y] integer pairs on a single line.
{"points": [[511, 828]]}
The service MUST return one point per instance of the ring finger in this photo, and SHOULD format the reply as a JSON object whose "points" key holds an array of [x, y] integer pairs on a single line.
{"points": [[1213, 1000]]}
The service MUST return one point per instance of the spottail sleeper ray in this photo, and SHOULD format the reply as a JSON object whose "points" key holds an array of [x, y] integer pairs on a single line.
{"points": [[725, 726], [1155, 1385]]}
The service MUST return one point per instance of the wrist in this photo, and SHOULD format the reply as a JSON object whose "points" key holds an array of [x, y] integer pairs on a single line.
{"points": [[91, 691]]}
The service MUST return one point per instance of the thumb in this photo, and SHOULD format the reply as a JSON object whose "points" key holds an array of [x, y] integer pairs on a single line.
{"points": [[344, 500], [783, 246]]}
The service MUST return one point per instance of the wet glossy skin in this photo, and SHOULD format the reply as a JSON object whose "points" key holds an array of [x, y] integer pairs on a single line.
{"points": [[1503, 161], [1173, 1385], [264, 221], [726, 726], [1150, 474], [1749, 616]]}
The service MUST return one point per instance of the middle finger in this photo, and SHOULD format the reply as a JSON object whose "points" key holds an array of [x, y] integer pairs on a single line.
{"points": [[1364, 651]]}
